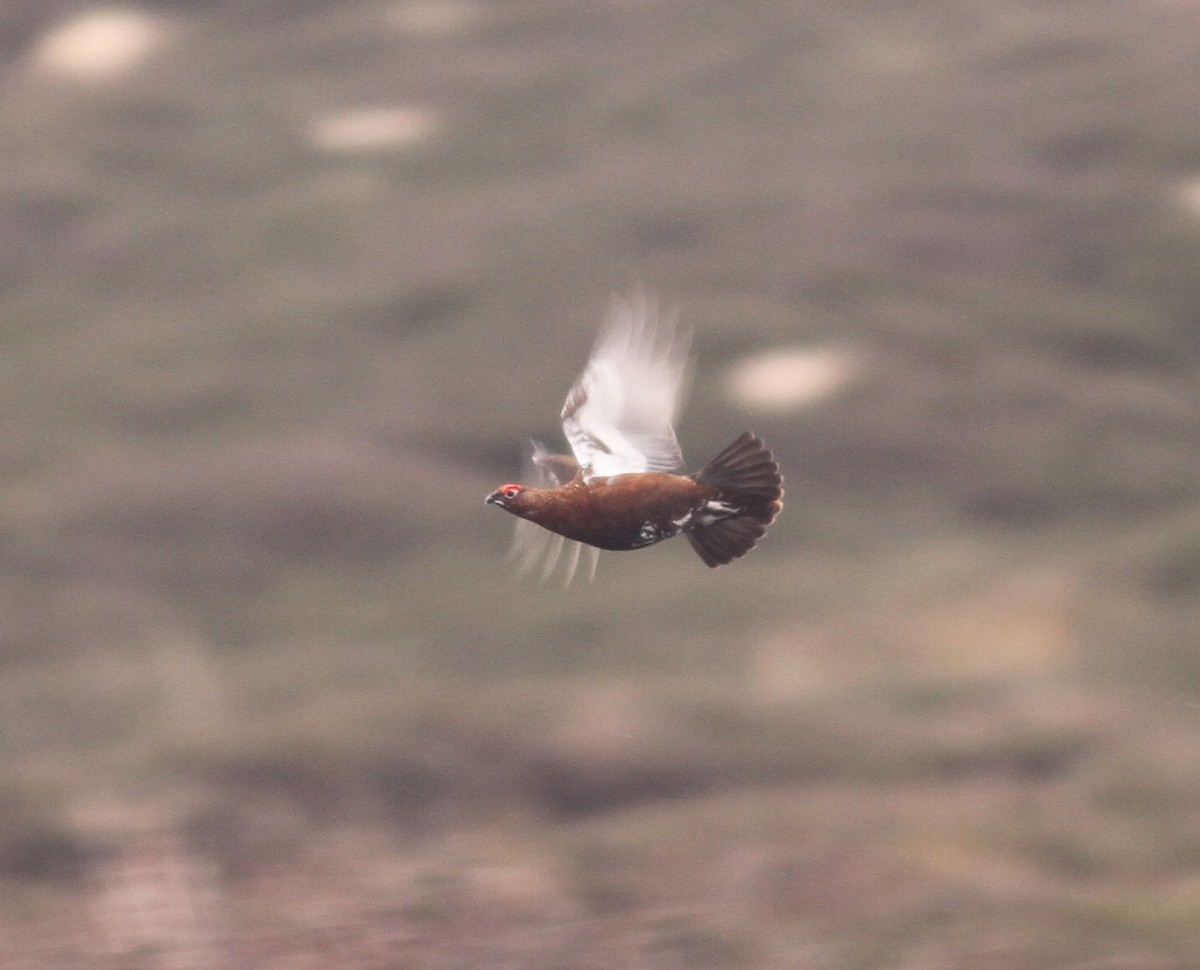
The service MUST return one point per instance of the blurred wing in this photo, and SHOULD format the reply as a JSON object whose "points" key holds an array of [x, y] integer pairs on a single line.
{"points": [[531, 543], [549, 469], [619, 415]]}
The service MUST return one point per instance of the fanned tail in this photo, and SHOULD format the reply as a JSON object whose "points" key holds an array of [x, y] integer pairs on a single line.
{"points": [[750, 495]]}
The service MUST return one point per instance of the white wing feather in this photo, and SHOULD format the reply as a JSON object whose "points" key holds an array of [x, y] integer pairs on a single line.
{"points": [[619, 415], [531, 543]]}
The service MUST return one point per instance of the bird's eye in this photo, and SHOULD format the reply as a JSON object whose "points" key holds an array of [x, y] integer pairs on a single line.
{"points": [[511, 491]]}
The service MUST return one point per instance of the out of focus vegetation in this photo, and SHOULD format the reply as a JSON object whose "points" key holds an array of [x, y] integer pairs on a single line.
{"points": [[282, 285]]}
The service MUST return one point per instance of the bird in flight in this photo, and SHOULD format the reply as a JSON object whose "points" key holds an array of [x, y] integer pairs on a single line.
{"points": [[622, 489]]}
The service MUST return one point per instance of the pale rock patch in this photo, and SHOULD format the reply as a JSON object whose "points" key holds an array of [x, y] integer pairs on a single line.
{"points": [[787, 379], [436, 18], [99, 45], [375, 129]]}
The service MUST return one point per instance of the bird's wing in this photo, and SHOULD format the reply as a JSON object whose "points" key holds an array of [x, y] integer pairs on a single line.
{"points": [[549, 469], [619, 415], [531, 543]]}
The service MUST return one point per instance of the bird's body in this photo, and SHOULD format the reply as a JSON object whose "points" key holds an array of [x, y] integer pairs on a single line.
{"points": [[621, 490], [619, 512]]}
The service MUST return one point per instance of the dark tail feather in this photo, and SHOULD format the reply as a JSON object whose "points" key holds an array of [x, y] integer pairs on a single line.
{"points": [[724, 541], [746, 476]]}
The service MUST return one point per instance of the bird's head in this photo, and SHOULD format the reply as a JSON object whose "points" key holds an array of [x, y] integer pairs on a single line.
{"points": [[512, 498]]}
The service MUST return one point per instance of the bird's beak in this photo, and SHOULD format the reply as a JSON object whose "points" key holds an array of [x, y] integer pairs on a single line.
{"points": [[493, 499]]}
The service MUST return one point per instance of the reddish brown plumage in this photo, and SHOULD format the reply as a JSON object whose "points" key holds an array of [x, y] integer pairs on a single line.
{"points": [[619, 513], [723, 509], [622, 488]]}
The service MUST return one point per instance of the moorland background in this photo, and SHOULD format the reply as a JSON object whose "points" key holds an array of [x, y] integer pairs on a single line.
{"points": [[283, 283]]}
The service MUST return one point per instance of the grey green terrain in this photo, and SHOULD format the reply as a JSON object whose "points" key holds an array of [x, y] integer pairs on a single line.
{"points": [[280, 296]]}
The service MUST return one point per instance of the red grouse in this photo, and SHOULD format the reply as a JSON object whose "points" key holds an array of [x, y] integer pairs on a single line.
{"points": [[622, 489]]}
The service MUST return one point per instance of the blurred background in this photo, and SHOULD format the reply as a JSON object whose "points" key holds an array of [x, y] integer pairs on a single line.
{"points": [[283, 283]]}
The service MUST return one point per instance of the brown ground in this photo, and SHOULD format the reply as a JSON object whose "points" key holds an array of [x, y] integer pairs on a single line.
{"points": [[269, 695]]}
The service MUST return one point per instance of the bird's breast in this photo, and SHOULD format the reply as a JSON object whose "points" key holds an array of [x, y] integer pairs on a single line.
{"points": [[624, 511]]}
